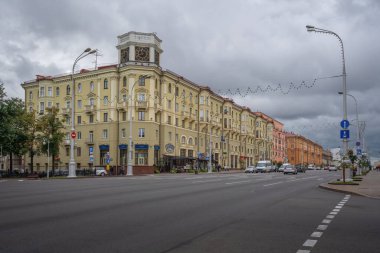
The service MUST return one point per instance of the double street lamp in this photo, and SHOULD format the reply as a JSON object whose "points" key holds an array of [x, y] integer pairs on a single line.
{"points": [[72, 164], [130, 168], [344, 93]]}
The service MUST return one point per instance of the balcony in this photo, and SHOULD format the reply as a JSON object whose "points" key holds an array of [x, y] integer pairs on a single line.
{"points": [[90, 109], [141, 105], [157, 107], [123, 106], [185, 115], [67, 142], [66, 111], [90, 141]]}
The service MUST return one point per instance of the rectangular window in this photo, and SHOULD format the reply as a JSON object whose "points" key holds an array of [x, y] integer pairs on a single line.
{"points": [[124, 116], [176, 107], [183, 123], [105, 100], [141, 116], [42, 91], [91, 118], [176, 121], [141, 157], [123, 133], [67, 151], [105, 117], [169, 120], [50, 104], [201, 100], [169, 104], [91, 136], [105, 134], [176, 138], [79, 119], [141, 132], [190, 153], [42, 107], [79, 135], [182, 152], [57, 91], [50, 91], [170, 136], [124, 97], [79, 151], [201, 115], [79, 104]]}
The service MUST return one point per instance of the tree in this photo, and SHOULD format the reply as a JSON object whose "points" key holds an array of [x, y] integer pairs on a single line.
{"points": [[50, 126], [30, 125], [12, 134]]}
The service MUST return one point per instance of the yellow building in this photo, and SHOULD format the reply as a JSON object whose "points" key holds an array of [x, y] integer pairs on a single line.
{"points": [[173, 118]]}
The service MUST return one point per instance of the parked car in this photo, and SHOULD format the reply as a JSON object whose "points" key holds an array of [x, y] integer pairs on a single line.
{"points": [[250, 169], [332, 168], [100, 171], [264, 166], [282, 167], [311, 167], [290, 169]]}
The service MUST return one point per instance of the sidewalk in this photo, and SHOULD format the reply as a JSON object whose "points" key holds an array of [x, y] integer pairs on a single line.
{"points": [[369, 187]]}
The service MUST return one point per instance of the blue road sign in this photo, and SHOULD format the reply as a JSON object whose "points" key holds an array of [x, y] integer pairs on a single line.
{"points": [[345, 134], [358, 143], [108, 161], [344, 123], [91, 149], [91, 159], [358, 151]]}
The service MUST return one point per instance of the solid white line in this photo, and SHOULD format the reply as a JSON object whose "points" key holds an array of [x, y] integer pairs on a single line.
{"points": [[326, 221], [330, 216], [206, 181], [303, 251], [265, 185], [316, 234], [310, 243], [322, 227], [239, 182]]}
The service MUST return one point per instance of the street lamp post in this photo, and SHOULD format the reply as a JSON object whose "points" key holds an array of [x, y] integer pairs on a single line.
{"points": [[319, 30], [72, 164], [48, 155], [129, 167]]}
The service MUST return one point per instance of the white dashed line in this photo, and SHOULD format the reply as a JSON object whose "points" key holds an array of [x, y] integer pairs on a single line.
{"points": [[207, 181], [265, 185], [309, 243], [316, 234], [324, 226], [239, 182]]}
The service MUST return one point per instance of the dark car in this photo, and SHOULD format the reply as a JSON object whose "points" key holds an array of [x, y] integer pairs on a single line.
{"points": [[301, 168]]}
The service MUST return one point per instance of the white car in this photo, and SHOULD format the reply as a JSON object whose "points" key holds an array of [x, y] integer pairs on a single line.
{"points": [[282, 167], [332, 168], [250, 169], [100, 171], [290, 169], [264, 166]]}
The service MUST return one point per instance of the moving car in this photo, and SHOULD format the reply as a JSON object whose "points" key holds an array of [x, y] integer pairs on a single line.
{"points": [[100, 171], [332, 168], [300, 168], [250, 169], [282, 167], [264, 166], [311, 167], [290, 169]]}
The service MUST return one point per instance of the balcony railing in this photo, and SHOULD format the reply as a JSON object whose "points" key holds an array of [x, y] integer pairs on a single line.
{"points": [[66, 111], [90, 109], [89, 141], [141, 105]]}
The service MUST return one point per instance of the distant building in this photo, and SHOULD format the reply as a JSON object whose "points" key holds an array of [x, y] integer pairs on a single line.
{"points": [[326, 157], [335, 152], [301, 150]]}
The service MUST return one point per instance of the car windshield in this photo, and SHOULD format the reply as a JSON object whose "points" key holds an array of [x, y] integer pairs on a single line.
{"points": [[289, 166], [261, 164]]}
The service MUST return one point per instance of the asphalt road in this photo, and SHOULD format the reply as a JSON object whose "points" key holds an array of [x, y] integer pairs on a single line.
{"points": [[186, 213]]}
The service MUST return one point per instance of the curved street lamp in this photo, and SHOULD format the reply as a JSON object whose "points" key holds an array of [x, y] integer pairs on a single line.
{"points": [[319, 30], [72, 164]]}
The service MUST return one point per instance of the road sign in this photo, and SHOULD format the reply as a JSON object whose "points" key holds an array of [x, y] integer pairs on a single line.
{"points": [[91, 150], [108, 160], [345, 134], [73, 134], [91, 159], [358, 151], [344, 124], [358, 143]]}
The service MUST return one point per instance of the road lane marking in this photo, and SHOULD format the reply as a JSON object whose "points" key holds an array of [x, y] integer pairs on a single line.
{"points": [[316, 234], [239, 182], [310, 243], [333, 213], [206, 181], [336, 210], [303, 251], [265, 185], [330, 216], [326, 221], [322, 227]]}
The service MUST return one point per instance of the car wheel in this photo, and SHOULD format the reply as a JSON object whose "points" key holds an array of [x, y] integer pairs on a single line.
{"points": [[102, 174]]}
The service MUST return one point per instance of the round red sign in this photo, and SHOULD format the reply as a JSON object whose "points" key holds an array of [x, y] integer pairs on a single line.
{"points": [[73, 135]]}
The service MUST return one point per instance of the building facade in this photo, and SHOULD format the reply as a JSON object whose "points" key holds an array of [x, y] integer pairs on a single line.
{"points": [[174, 121], [279, 151], [301, 150], [326, 157]]}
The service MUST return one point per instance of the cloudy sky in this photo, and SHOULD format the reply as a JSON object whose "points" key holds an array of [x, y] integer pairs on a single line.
{"points": [[227, 45]]}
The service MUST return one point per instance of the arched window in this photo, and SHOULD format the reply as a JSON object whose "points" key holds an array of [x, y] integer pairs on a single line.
{"points": [[170, 88], [92, 86], [190, 142], [79, 87], [57, 91], [124, 81], [183, 140], [105, 83], [68, 90], [30, 94]]}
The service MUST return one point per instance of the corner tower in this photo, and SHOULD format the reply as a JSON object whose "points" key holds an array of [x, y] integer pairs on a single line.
{"points": [[139, 49]]}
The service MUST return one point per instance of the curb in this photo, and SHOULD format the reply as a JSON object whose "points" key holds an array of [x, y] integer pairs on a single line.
{"points": [[322, 186]]}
